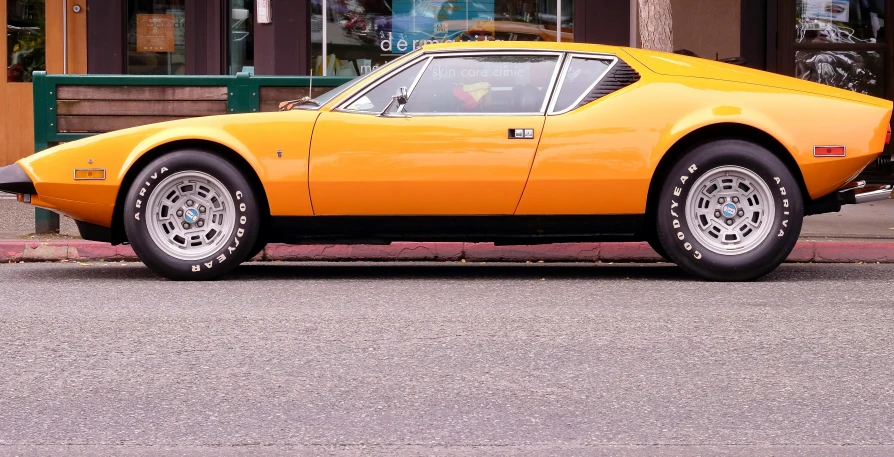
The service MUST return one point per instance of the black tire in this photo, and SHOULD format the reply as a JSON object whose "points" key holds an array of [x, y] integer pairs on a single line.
{"points": [[256, 249], [652, 239], [243, 234], [689, 252]]}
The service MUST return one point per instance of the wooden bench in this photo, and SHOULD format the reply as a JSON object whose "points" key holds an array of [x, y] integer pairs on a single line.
{"points": [[71, 107]]}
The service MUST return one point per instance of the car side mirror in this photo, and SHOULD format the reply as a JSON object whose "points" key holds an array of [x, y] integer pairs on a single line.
{"points": [[401, 98]]}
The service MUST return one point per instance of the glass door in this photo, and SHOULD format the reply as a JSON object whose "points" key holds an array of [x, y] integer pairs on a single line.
{"points": [[156, 37]]}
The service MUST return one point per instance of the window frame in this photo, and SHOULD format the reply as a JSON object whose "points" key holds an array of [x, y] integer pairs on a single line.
{"points": [[567, 64], [547, 99]]}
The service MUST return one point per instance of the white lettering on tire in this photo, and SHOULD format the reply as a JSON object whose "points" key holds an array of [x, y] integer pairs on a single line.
{"points": [[784, 205], [240, 232], [678, 191]]}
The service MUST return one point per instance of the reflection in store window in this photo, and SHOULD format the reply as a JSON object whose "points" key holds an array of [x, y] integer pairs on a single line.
{"points": [[242, 37], [858, 71], [362, 35], [25, 39], [840, 21], [156, 37]]}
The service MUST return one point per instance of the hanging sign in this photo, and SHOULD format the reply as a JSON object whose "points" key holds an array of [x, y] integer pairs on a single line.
{"points": [[155, 33]]}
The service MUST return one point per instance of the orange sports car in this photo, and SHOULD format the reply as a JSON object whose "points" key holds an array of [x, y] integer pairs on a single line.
{"points": [[714, 165]]}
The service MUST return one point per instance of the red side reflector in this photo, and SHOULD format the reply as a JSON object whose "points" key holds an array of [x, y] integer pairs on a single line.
{"points": [[828, 151], [888, 136]]}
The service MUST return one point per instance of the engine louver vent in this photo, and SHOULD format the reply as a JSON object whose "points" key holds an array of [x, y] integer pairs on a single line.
{"points": [[620, 76]]}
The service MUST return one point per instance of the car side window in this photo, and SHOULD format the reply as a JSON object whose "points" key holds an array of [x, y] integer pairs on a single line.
{"points": [[376, 99], [582, 74], [483, 84]]}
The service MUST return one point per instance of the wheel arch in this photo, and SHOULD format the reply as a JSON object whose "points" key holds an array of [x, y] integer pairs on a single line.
{"points": [[713, 132], [118, 235]]}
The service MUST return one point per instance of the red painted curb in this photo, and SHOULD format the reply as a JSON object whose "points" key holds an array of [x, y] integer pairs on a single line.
{"points": [[487, 252], [394, 251], [805, 251], [855, 251]]}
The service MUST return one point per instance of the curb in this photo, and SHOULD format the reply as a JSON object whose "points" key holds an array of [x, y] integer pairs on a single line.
{"points": [[805, 251]]}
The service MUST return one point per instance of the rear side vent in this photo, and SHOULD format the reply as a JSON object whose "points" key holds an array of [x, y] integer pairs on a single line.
{"points": [[620, 76]]}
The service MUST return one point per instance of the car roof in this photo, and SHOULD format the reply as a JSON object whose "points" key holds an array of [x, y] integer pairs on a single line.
{"points": [[522, 45]]}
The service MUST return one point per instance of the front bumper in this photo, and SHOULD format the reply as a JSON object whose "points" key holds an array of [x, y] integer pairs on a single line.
{"points": [[14, 180]]}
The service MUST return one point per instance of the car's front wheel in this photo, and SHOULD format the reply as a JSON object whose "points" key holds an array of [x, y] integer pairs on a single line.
{"points": [[191, 215], [729, 210]]}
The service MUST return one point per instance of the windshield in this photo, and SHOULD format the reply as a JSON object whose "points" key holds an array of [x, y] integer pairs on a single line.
{"points": [[329, 95]]}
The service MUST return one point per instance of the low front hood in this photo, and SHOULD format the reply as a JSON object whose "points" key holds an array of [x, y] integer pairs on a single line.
{"points": [[669, 64]]}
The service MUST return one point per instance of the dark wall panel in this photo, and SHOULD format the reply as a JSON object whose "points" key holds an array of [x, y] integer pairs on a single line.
{"points": [[283, 47], [753, 38], [603, 22], [206, 41], [105, 36]]}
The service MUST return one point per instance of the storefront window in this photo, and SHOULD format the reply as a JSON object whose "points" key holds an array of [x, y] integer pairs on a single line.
{"points": [[859, 71], [156, 37], [840, 21], [842, 43], [361, 35], [25, 39], [242, 37]]}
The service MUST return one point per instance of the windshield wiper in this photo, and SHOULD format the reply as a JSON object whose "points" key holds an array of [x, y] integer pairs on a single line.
{"points": [[288, 105]]}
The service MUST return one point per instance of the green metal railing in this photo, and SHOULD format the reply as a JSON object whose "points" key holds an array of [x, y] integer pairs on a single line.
{"points": [[243, 96]]}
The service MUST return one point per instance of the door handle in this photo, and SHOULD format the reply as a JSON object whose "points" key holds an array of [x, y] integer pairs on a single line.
{"points": [[521, 134]]}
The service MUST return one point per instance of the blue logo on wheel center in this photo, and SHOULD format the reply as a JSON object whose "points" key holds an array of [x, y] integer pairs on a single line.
{"points": [[191, 215], [728, 210]]}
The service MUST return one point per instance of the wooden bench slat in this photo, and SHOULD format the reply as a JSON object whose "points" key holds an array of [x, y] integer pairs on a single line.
{"points": [[101, 124], [141, 93], [140, 108]]}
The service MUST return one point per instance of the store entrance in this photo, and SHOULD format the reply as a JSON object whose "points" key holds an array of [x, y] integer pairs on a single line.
{"points": [[35, 41]]}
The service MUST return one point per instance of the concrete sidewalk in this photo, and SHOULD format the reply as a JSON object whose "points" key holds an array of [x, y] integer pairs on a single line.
{"points": [[859, 233]]}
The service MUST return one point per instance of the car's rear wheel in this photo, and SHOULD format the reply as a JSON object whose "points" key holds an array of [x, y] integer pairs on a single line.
{"points": [[729, 210], [256, 249], [191, 215]]}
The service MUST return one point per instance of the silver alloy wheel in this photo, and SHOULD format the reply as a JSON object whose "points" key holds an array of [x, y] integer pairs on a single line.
{"points": [[190, 215], [730, 210]]}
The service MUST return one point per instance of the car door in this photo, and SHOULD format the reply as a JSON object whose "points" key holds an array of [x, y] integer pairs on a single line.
{"points": [[463, 145], [594, 157]]}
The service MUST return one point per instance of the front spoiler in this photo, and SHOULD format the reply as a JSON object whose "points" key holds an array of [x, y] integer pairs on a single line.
{"points": [[14, 180]]}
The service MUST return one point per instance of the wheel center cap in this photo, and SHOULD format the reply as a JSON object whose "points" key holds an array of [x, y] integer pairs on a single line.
{"points": [[191, 215], [728, 210]]}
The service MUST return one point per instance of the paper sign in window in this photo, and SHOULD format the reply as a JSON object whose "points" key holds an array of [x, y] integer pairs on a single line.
{"points": [[155, 33]]}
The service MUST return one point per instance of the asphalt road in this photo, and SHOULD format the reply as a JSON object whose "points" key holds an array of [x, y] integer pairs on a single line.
{"points": [[446, 359]]}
